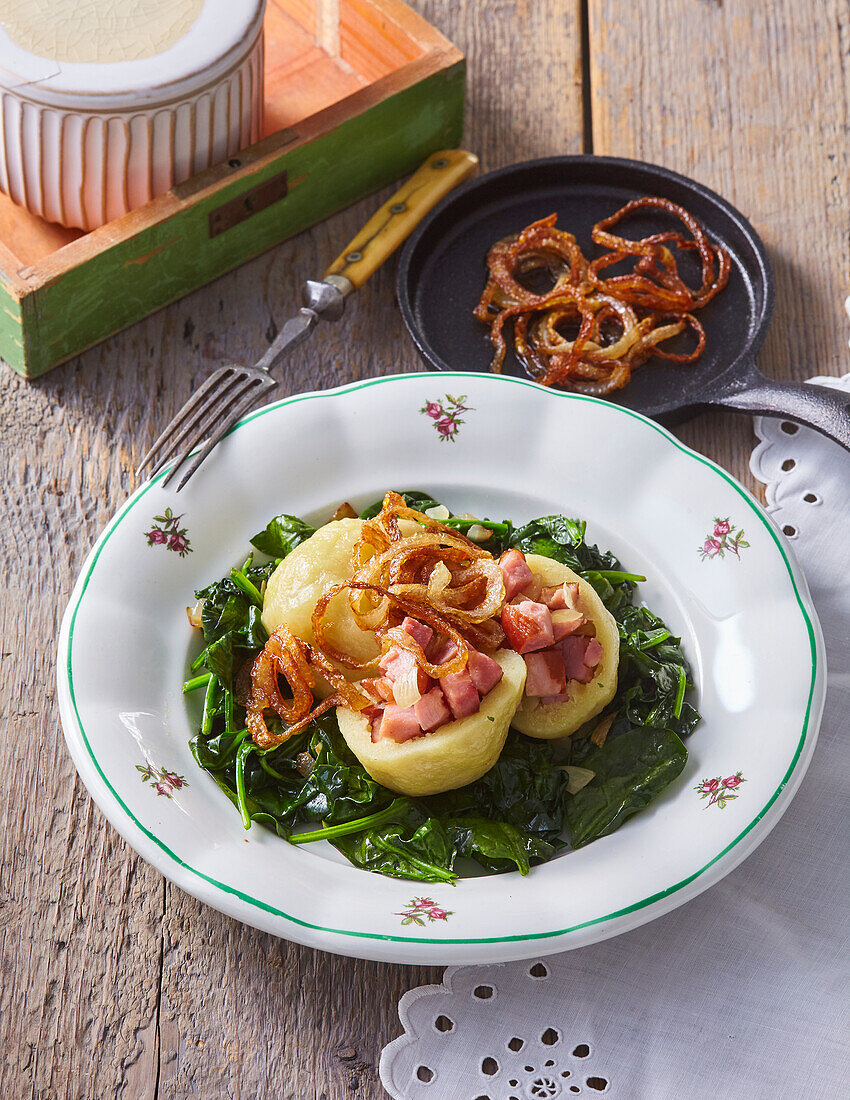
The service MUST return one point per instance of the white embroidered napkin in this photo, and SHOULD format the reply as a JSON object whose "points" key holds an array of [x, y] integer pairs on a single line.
{"points": [[741, 993]]}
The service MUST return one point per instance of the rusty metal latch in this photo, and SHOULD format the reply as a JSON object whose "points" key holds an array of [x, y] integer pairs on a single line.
{"points": [[247, 204]]}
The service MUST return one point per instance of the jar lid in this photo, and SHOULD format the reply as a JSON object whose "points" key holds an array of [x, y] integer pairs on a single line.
{"points": [[108, 54]]}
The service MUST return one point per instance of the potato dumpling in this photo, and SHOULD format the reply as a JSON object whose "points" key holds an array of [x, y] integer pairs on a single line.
{"points": [[548, 720], [295, 587], [453, 755]]}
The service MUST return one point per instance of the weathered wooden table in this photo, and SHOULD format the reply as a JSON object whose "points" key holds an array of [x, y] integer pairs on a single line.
{"points": [[114, 982]]}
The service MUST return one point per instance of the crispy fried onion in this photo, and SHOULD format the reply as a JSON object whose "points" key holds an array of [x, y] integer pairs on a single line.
{"points": [[394, 635], [429, 572], [295, 661], [586, 332]]}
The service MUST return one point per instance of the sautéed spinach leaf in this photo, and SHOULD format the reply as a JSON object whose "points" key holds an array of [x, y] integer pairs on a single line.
{"points": [[518, 813]]}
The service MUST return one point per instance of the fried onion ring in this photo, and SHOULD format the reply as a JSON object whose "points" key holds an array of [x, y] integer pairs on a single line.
{"points": [[285, 655], [404, 564], [588, 332]]}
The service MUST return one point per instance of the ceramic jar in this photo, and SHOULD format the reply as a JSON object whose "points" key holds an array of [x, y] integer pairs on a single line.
{"points": [[97, 119]]}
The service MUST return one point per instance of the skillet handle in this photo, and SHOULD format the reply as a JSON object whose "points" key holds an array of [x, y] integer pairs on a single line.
{"points": [[825, 409]]}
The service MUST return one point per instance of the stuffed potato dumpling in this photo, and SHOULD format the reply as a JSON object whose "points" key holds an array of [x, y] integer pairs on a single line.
{"points": [[318, 563], [404, 643], [548, 719], [452, 755]]}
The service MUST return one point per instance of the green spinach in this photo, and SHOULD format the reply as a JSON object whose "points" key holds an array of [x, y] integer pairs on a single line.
{"points": [[517, 814], [413, 498], [631, 771], [282, 535]]}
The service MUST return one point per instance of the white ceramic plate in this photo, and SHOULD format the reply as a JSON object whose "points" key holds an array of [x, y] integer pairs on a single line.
{"points": [[718, 572]]}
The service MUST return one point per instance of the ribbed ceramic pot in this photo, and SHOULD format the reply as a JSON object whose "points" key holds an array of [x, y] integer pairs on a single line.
{"points": [[84, 141]]}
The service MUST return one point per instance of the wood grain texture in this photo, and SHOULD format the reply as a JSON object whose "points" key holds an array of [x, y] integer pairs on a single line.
{"points": [[750, 97], [114, 983]]}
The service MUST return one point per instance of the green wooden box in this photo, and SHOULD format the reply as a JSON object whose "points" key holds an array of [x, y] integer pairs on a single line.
{"points": [[358, 93]]}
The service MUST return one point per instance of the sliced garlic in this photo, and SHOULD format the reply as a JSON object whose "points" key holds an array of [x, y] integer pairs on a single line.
{"points": [[579, 777], [568, 595], [406, 688], [601, 732], [568, 617], [440, 577]]}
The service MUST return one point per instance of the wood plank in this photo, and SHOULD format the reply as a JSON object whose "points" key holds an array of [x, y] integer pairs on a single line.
{"points": [[371, 42], [86, 927], [300, 76], [524, 89], [80, 915], [750, 98]]}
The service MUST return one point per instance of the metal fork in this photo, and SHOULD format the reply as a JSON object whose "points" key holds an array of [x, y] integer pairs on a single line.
{"points": [[231, 391]]}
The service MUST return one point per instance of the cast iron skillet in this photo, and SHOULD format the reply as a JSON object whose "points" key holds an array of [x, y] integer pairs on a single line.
{"points": [[442, 273]]}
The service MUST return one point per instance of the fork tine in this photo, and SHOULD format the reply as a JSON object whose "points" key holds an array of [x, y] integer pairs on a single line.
{"points": [[202, 419], [249, 395], [195, 403], [217, 405]]}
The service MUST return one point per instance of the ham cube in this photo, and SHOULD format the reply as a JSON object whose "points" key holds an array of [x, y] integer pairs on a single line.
{"points": [[379, 687], [461, 693], [546, 675], [369, 686], [566, 622], [560, 596], [485, 672], [573, 649], [441, 650], [398, 724], [593, 653], [493, 633], [553, 597], [532, 590], [547, 700], [374, 715], [528, 626], [516, 572], [431, 710], [397, 663], [419, 632]]}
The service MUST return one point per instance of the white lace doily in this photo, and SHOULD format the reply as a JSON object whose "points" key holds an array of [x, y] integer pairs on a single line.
{"points": [[741, 993], [800, 470]]}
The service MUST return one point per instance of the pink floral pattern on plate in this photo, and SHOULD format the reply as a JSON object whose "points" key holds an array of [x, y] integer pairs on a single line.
{"points": [[724, 537], [167, 532], [422, 910], [719, 791], [446, 415], [162, 780]]}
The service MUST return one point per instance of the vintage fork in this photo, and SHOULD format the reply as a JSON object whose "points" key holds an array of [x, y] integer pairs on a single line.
{"points": [[229, 392]]}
